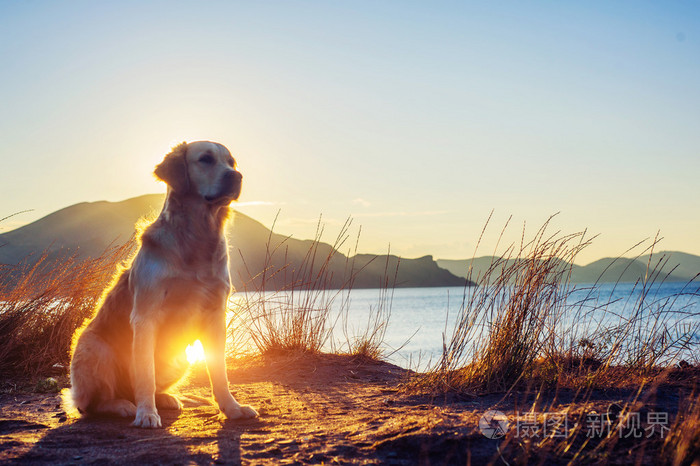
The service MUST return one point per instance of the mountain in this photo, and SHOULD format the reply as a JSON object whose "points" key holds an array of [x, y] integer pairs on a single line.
{"points": [[87, 228], [670, 266], [481, 265], [680, 264], [610, 269], [259, 258]]}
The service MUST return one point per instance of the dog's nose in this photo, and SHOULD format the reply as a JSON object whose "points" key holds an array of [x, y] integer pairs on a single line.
{"points": [[233, 176]]}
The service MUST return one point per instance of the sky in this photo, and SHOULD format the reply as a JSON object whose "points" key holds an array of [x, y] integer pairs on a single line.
{"points": [[415, 119]]}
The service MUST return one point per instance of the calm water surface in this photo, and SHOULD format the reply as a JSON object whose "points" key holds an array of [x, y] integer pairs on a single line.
{"points": [[421, 316]]}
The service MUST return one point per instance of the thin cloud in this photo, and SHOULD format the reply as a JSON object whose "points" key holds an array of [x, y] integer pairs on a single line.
{"points": [[362, 202], [8, 223], [424, 213]]}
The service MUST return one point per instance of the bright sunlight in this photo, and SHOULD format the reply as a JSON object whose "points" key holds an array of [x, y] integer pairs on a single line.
{"points": [[195, 352]]}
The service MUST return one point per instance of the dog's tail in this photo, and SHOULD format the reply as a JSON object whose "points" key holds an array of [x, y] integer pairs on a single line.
{"points": [[71, 410]]}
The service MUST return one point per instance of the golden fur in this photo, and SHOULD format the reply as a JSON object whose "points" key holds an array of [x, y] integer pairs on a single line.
{"points": [[174, 292]]}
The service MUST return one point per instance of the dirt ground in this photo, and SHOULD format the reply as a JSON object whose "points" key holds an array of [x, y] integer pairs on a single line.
{"points": [[314, 409]]}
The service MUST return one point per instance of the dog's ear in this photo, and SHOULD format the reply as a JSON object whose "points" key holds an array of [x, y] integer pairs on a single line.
{"points": [[173, 169]]}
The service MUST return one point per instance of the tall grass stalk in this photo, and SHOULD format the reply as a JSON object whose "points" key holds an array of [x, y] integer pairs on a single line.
{"points": [[650, 332], [303, 313], [369, 342]]}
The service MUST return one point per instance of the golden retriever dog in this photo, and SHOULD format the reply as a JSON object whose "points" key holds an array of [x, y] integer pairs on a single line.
{"points": [[174, 292]]}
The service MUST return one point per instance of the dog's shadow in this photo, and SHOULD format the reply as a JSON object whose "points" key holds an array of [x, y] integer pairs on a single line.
{"points": [[196, 435]]}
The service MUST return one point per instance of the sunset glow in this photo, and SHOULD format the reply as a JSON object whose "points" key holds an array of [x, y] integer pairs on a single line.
{"points": [[411, 118], [195, 352], [408, 232]]}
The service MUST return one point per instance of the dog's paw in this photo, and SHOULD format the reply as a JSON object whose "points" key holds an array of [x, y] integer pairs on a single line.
{"points": [[239, 412], [248, 412], [167, 401], [125, 408], [147, 419], [122, 408]]}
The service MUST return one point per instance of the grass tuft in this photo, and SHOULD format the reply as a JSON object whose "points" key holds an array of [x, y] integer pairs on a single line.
{"points": [[525, 324], [303, 313], [43, 302]]}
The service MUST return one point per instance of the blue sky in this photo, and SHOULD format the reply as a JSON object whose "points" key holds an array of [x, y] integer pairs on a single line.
{"points": [[415, 118]]}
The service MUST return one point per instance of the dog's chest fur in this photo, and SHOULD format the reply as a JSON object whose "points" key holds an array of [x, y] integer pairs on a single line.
{"points": [[184, 257]]}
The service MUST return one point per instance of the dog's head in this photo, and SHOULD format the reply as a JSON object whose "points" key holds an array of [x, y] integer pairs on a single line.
{"points": [[205, 169]]}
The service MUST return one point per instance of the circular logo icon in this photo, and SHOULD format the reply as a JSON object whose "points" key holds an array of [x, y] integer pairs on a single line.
{"points": [[493, 424]]}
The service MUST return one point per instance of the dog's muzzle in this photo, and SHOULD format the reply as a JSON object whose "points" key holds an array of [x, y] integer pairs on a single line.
{"points": [[230, 187]]}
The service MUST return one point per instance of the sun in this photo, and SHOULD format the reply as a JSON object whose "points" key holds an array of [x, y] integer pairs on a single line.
{"points": [[195, 352]]}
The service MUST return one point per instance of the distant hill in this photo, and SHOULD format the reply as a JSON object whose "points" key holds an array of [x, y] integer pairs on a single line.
{"points": [[684, 265], [670, 266], [89, 228], [480, 266]]}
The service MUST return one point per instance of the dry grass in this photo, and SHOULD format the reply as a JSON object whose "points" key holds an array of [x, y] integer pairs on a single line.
{"points": [[303, 314], [635, 431], [682, 446], [508, 321], [297, 317], [521, 325], [42, 302], [368, 343]]}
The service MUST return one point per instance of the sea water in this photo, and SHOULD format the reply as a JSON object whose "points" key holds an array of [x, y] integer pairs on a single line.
{"points": [[422, 320]]}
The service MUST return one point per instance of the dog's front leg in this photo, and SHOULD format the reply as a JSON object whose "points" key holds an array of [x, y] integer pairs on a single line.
{"points": [[214, 350], [144, 377]]}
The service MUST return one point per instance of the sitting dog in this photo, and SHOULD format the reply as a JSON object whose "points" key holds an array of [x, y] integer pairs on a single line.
{"points": [[174, 292]]}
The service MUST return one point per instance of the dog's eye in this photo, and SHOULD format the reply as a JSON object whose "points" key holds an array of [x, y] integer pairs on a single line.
{"points": [[232, 163], [207, 159]]}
